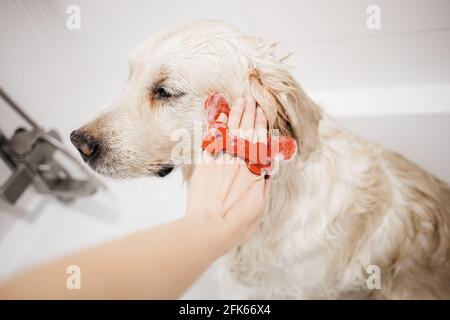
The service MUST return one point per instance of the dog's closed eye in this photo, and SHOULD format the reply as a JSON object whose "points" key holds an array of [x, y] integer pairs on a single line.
{"points": [[159, 94], [164, 87], [162, 93]]}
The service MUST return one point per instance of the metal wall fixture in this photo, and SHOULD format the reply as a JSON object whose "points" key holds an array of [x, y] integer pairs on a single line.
{"points": [[30, 154]]}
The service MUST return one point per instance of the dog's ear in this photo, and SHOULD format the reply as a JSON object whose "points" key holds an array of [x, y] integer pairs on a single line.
{"points": [[287, 107]]}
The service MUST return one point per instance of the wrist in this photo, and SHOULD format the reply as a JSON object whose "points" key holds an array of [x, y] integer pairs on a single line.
{"points": [[216, 231]]}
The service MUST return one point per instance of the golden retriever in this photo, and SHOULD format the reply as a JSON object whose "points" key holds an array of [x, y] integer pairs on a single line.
{"points": [[345, 219]]}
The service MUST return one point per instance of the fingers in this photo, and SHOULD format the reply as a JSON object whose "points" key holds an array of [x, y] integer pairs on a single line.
{"points": [[234, 118], [248, 117], [243, 113], [260, 134]]}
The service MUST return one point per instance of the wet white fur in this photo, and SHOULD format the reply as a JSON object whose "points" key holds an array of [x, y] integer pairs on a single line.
{"points": [[344, 203]]}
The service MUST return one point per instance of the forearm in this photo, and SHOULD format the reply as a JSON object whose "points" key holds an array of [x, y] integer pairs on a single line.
{"points": [[158, 263]]}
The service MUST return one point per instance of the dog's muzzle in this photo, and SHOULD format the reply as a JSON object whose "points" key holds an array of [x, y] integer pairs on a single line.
{"points": [[88, 146]]}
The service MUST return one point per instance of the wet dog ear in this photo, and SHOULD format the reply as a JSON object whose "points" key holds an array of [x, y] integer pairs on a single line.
{"points": [[287, 107]]}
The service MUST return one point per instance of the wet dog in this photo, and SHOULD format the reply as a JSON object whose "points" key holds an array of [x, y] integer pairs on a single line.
{"points": [[344, 207]]}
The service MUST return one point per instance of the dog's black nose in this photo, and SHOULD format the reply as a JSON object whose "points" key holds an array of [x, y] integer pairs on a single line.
{"points": [[87, 145]]}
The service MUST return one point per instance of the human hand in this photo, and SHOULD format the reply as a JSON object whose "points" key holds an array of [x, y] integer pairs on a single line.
{"points": [[223, 188]]}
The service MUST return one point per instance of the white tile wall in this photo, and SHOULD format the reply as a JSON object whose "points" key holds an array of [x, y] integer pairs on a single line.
{"points": [[389, 85]]}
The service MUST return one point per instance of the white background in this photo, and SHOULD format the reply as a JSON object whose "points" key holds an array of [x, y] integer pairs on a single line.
{"points": [[390, 85]]}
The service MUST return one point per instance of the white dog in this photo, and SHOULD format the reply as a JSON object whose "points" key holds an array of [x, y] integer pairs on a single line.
{"points": [[343, 208]]}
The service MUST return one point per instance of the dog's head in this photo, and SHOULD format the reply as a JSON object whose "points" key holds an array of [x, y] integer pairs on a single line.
{"points": [[170, 76]]}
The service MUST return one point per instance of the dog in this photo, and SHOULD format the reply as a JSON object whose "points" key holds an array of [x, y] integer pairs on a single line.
{"points": [[345, 219]]}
